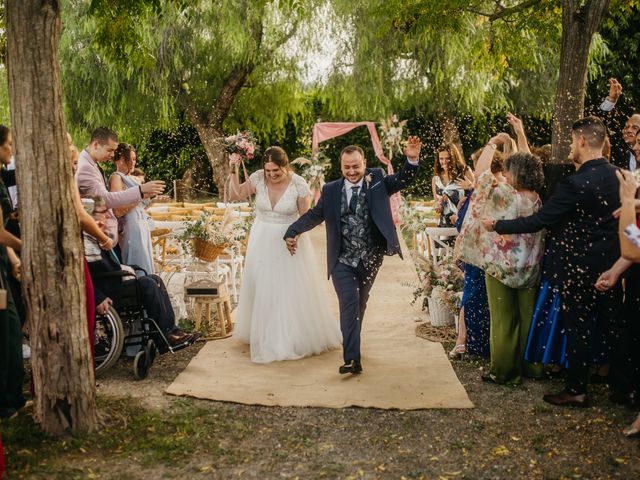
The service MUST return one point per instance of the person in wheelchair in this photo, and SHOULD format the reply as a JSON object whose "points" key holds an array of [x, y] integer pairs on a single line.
{"points": [[111, 280]]}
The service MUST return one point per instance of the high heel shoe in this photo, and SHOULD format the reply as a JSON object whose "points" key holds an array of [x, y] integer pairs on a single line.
{"points": [[458, 351]]}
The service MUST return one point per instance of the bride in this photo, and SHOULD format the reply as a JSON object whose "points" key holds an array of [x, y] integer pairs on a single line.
{"points": [[282, 312]]}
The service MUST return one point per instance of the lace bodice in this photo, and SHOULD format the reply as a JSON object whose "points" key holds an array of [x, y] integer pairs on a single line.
{"points": [[286, 210]]}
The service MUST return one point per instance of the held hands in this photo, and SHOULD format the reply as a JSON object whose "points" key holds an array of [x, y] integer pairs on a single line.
{"points": [[292, 245], [615, 90], [152, 188], [103, 307], [412, 149]]}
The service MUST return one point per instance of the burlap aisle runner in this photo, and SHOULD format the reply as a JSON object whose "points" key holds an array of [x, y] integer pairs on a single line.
{"points": [[400, 370]]}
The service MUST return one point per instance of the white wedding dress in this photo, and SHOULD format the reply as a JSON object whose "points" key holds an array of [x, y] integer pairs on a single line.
{"points": [[282, 312]]}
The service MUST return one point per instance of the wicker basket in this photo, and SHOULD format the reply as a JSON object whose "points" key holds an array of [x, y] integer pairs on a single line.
{"points": [[439, 314], [207, 251]]}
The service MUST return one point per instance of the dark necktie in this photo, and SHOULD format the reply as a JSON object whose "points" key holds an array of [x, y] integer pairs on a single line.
{"points": [[104, 177], [354, 199]]}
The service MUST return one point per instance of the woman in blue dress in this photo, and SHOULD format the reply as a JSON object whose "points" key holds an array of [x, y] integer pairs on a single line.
{"points": [[133, 221]]}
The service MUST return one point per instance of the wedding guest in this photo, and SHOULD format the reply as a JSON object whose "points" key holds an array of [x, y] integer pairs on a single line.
{"points": [[473, 321], [134, 233], [92, 182], [88, 225], [10, 215], [629, 236], [448, 169], [11, 366], [511, 264], [282, 312], [623, 155], [108, 291], [584, 202]]}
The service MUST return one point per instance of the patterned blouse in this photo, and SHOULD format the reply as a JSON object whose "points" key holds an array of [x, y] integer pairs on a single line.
{"points": [[514, 260]]}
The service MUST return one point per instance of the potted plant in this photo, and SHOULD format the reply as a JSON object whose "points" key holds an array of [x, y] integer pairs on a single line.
{"points": [[440, 286]]}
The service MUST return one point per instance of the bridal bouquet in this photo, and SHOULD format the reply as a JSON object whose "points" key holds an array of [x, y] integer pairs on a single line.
{"points": [[442, 282], [391, 133], [242, 143]]}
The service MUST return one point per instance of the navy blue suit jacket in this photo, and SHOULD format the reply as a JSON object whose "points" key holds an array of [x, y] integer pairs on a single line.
{"points": [[582, 206], [377, 192]]}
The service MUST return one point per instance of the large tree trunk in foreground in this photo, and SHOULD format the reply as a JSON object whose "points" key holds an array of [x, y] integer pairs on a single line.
{"points": [[580, 20], [52, 255]]}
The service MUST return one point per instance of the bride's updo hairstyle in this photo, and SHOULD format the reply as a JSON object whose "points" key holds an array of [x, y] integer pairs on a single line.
{"points": [[278, 156]]}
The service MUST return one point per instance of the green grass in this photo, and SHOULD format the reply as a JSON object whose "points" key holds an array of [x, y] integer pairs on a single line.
{"points": [[130, 432]]}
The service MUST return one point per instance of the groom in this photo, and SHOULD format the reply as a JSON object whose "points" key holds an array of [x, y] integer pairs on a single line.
{"points": [[360, 231]]}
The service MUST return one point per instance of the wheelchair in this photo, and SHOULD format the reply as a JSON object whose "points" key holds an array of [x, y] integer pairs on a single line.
{"points": [[130, 332]]}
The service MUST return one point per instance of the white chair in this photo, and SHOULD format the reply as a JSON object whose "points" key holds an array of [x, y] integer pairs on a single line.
{"points": [[235, 262], [436, 237]]}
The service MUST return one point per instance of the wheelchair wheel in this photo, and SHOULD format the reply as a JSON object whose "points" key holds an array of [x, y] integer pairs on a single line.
{"points": [[151, 347], [142, 363], [109, 339]]}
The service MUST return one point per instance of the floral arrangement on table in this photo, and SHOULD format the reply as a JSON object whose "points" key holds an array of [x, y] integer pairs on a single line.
{"points": [[206, 237], [414, 219], [314, 172], [242, 143], [442, 282], [391, 133]]}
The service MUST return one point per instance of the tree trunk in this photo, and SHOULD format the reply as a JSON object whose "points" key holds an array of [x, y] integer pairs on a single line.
{"points": [[212, 139], [52, 254], [580, 20]]}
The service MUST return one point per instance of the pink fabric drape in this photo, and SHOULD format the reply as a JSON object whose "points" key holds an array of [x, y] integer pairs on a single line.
{"points": [[327, 130]]}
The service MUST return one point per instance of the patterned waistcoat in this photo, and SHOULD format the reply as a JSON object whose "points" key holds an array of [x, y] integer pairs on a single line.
{"points": [[355, 228]]}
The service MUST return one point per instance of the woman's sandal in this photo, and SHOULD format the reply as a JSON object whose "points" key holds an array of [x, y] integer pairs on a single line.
{"points": [[458, 351], [632, 431]]}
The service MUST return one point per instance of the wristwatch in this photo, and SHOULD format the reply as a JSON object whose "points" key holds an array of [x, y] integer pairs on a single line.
{"points": [[493, 145]]}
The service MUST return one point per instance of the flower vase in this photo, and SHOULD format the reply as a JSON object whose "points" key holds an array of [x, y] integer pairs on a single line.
{"points": [[439, 314]]}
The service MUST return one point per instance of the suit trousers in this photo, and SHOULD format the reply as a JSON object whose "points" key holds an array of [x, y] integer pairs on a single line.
{"points": [[628, 379], [155, 299], [585, 309], [352, 285]]}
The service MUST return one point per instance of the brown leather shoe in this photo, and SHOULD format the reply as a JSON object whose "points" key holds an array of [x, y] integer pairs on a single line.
{"points": [[565, 399], [178, 337]]}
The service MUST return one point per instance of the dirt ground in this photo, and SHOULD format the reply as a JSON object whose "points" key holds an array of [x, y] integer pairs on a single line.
{"points": [[510, 434]]}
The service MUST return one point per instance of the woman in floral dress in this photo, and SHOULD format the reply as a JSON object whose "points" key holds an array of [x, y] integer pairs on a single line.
{"points": [[511, 262]]}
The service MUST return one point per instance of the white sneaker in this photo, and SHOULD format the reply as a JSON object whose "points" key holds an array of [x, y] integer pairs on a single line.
{"points": [[26, 351]]}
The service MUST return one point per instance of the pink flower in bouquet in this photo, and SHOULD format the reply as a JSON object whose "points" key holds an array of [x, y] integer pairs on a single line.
{"points": [[242, 143]]}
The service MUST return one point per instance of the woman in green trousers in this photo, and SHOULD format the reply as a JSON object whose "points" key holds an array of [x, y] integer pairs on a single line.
{"points": [[511, 262]]}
